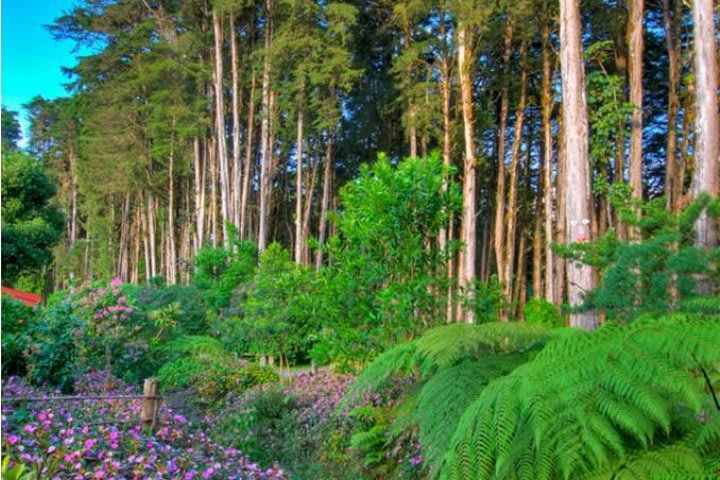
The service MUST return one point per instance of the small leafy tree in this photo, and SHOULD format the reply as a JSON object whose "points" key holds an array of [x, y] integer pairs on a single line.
{"points": [[387, 270], [108, 314]]}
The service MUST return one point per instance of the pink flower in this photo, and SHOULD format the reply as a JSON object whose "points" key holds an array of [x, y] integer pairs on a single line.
{"points": [[13, 439], [116, 282]]}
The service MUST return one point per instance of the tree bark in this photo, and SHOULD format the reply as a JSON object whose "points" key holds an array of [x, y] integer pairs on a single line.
{"points": [[707, 131], [547, 108], [299, 240], [236, 103], [499, 231], [199, 195], [671, 21], [575, 121], [510, 239], [635, 57], [469, 207], [220, 149], [325, 203], [266, 148], [248, 161]]}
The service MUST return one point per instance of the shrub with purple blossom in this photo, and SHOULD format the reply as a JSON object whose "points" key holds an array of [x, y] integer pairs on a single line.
{"points": [[69, 440]]}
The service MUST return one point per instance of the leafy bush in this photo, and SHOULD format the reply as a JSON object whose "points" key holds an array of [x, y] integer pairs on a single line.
{"points": [[17, 324], [192, 318], [544, 313], [220, 270], [201, 364]]}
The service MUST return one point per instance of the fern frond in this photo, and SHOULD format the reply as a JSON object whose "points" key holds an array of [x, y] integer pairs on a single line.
{"points": [[587, 400], [665, 463], [446, 396]]}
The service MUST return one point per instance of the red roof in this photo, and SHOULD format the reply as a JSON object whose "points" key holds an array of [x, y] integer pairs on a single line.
{"points": [[29, 299]]}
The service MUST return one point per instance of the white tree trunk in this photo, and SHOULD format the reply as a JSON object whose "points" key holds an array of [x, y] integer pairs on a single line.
{"points": [[577, 175]]}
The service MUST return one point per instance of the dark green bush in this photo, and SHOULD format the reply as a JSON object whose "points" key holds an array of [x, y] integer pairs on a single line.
{"points": [[17, 324]]}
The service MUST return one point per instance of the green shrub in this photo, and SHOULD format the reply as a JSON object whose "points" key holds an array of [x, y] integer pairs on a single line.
{"points": [[17, 324], [544, 313]]}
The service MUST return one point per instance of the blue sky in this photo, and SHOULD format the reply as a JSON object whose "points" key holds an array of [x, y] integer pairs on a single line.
{"points": [[31, 59]]}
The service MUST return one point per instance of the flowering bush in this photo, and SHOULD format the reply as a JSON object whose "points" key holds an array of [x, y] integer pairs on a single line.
{"points": [[71, 440]]}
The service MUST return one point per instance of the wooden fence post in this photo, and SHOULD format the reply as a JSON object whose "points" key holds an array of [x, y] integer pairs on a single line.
{"points": [[151, 403]]}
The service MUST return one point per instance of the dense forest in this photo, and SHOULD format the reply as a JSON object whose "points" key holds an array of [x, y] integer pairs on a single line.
{"points": [[416, 196]]}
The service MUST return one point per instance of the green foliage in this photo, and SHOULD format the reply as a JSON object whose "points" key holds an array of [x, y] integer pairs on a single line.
{"points": [[191, 318], [11, 132], [201, 364], [542, 312], [278, 315], [385, 264], [221, 270], [589, 400], [31, 223], [652, 275], [486, 301], [19, 470], [17, 324], [54, 352]]}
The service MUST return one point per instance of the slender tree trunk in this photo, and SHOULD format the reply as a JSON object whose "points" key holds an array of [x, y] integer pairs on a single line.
{"points": [[199, 195], [469, 207], [123, 267], [538, 246], [671, 20], [635, 56], [73, 196], [445, 235], [621, 65], [325, 203], [248, 161], [308, 207], [514, 182], [213, 221], [221, 151], [265, 135], [299, 240], [575, 121], [236, 103], [499, 231], [151, 233], [707, 131], [172, 253], [547, 107]]}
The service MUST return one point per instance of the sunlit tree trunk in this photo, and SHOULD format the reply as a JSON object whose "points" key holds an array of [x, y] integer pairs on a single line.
{"points": [[575, 121], [547, 108], [199, 195], [707, 132], [499, 231], [299, 240], [266, 147], [512, 208], [469, 206], [220, 149], [236, 103], [635, 57]]}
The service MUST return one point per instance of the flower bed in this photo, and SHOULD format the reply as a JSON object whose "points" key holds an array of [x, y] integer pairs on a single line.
{"points": [[70, 440]]}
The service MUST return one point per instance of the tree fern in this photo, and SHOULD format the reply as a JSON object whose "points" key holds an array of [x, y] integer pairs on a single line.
{"points": [[587, 401], [445, 346], [446, 396]]}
